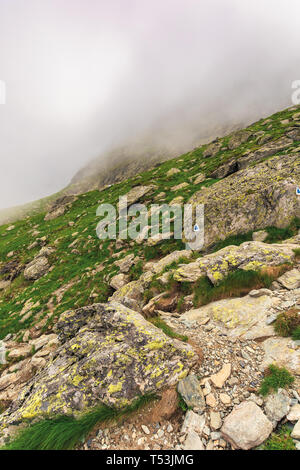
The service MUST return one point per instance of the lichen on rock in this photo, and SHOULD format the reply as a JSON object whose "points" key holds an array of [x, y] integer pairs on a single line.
{"points": [[109, 354]]}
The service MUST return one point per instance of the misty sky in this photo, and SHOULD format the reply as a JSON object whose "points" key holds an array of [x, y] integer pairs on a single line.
{"points": [[83, 76]]}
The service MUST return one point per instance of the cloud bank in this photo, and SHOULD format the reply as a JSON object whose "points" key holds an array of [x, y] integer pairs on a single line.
{"points": [[83, 77]]}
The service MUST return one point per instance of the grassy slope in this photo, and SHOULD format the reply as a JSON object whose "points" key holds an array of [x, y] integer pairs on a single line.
{"points": [[77, 268]]}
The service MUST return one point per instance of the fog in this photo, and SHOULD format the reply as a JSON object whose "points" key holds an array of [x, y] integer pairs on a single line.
{"points": [[84, 76]]}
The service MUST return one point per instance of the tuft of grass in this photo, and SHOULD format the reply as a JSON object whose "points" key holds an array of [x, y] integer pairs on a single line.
{"points": [[296, 334], [236, 284], [278, 234], [159, 323], [287, 322], [65, 432], [233, 240], [280, 440], [276, 378], [182, 404], [297, 253]]}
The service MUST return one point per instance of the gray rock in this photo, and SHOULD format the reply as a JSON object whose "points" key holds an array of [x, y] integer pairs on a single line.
{"points": [[119, 281], [36, 269], [238, 138], [296, 431], [108, 354], [277, 406], [193, 442], [246, 426], [193, 422], [294, 414], [215, 420], [259, 236], [212, 149], [190, 390], [290, 280]]}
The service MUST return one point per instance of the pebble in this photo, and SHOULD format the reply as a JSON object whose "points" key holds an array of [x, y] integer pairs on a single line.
{"points": [[145, 429]]}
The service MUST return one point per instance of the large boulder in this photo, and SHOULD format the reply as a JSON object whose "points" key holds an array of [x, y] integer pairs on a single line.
{"points": [[246, 426], [252, 199], [108, 354], [247, 256]]}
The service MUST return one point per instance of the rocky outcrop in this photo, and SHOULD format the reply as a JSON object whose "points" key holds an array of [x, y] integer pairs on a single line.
{"points": [[247, 256], [244, 317], [108, 354], [59, 207], [251, 199]]}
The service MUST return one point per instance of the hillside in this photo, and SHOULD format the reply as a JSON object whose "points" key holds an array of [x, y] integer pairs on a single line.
{"points": [[110, 329]]}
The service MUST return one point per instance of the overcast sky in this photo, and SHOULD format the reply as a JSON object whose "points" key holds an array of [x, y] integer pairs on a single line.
{"points": [[83, 76]]}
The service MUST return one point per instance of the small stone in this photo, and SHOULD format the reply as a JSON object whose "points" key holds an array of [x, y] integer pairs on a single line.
{"points": [[220, 378], [260, 236], [193, 422], [193, 442], [210, 445], [225, 399], [145, 429], [170, 428], [296, 431], [210, 400], [215, 436], [294, 414], [215, 420]]}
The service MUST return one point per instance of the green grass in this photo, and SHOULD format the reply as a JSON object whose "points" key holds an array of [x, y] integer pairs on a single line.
{"points": [[280, 440], [274, 235], [233, 240], [182, 404], [296, 334], [65, 432], [276, 378], [159, 323], [278, 234], [287, 322], [297, 253], [236, 284]]}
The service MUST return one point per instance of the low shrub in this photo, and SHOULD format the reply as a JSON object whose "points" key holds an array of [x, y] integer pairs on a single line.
{"points": [[275, 378]]}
